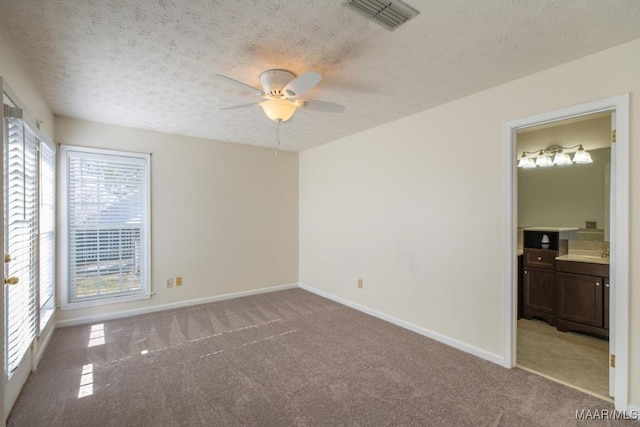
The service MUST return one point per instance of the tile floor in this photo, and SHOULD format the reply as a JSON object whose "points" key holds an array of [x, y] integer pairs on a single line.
{"points": [[571, 358]]}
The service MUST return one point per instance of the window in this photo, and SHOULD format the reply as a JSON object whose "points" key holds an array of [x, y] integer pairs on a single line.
{"points": [[106, 228]]}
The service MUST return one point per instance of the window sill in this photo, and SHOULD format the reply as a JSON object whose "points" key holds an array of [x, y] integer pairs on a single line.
{"points": [[103, 301]]}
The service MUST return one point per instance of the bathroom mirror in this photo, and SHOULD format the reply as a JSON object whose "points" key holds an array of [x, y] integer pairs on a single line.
{"points": [[575, 195]]}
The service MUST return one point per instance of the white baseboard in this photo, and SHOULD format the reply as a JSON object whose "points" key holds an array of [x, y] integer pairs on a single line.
{"points": [[161, 307], [467, 348], [43, 341]]}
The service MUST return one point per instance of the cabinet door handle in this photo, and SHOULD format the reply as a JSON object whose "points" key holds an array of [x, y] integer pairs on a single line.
{"points": [[539, 258], [525, 272], [606, 285], [597, 283]]}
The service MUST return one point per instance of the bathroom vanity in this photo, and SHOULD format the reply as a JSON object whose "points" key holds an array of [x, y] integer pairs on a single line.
{"points": [[568, 291]]}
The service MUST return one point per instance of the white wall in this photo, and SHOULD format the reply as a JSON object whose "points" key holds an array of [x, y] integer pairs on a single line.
{"points": [[592, 133], [415, 206], [224, 216]]}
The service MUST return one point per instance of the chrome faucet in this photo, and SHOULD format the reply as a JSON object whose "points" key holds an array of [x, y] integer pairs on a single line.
{"points": [[605, 253]]}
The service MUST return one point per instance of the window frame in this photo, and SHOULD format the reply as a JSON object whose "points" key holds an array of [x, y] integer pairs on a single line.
{"points": [[65, 289]]}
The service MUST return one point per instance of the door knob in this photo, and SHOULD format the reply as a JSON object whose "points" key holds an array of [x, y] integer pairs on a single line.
{"points": [[7, 258], [11, 280], [597, 283]]}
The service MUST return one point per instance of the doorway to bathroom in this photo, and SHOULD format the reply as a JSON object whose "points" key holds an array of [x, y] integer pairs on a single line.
{"points": [[618, 219], [563, 251]]}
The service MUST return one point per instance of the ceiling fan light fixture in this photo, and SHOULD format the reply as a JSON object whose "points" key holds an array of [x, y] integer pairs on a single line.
{"points": [[278, 110]]}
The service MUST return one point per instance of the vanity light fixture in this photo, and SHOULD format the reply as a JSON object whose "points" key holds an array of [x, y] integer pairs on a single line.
{"points": [[560, 158]]}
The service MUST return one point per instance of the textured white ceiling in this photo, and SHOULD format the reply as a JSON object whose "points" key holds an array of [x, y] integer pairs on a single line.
{"points": [[151, 63]]}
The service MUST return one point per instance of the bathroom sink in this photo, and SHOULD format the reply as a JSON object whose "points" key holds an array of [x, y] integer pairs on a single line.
{"points": [[584, 258]]}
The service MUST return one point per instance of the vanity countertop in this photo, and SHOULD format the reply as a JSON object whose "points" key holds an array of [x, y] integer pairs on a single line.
{"points": [[583, 258], [550, 229]]}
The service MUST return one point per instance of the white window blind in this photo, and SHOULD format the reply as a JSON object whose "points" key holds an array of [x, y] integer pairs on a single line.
{"points": [[47, 215], [107, 209], [21, 230]]}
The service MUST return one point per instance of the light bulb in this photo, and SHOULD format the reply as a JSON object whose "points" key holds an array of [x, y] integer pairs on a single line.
{"points": [[582, 157], [543, 160], [561, 159], [278, 109], [526, 162]]}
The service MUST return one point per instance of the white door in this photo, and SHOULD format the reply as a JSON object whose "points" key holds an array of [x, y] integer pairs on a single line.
{"points": [[21, 252]]}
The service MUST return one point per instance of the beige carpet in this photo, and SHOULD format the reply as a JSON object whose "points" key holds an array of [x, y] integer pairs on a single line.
{"points": [[287, 358], [576, 359]]}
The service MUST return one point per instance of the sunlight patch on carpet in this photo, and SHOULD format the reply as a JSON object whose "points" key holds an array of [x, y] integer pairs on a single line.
{"points": [[96, 337], [86, 381]]}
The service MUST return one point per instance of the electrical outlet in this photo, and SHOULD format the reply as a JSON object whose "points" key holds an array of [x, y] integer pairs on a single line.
{"points": [[179, 281], [168, 282], [360, 283]]}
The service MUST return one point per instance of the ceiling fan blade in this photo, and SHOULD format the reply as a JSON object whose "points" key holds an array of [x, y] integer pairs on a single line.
{"points": [[240, 106], [329, 107], [241, 85], [301, 84]]}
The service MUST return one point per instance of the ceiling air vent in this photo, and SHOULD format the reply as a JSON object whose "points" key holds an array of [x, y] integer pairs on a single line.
{"points": [[389, 14]]}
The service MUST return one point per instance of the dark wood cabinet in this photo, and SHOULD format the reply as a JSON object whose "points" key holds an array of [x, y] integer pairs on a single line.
{"points": [[541, 247], [582, 297], [539, 299]]}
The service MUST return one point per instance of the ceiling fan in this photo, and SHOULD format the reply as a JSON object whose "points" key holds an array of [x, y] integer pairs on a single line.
{"points": [[281, 90]]}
